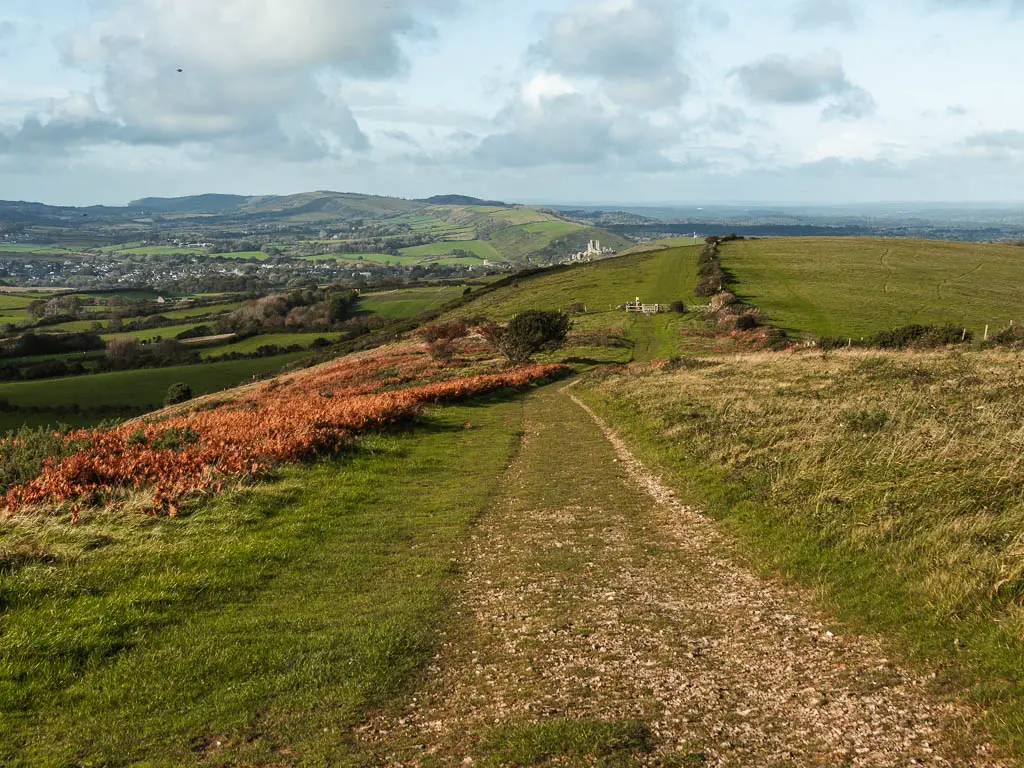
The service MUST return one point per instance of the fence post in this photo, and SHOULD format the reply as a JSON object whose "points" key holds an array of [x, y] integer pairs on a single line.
{"points": [[986, 333]]}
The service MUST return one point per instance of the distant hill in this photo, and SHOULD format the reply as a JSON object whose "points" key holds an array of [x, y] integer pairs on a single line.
{"points": [[463, 200], [191, 204]]}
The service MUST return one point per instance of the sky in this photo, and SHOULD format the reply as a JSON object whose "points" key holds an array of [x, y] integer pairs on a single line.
{"points": [[535, 101]]}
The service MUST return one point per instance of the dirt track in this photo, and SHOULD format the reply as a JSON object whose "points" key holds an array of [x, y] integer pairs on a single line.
{"points": [[591, 592]]}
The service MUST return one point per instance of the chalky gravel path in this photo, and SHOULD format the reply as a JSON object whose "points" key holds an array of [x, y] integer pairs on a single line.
{"points": [[590, 591]]}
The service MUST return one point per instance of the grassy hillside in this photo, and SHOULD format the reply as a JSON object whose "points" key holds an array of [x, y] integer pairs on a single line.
{"points": [[517, 242], [890, 482], [408, 302], [657, 278], [481, 248], [660, 277], [258, 630], [856, 286]]}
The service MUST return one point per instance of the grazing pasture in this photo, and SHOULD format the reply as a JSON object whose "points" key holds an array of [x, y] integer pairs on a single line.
{"points": [[517, 242], [251, 345], [141, 388], [657, 278], [481, 248], [407, 302], [857, 286]]}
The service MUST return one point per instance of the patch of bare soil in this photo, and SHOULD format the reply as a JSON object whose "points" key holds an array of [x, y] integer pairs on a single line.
{"points": [[590, 591]]}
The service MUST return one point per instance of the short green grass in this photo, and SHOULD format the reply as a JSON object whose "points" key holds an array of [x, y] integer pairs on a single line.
{"points": [[29, 248], [408, 302], [481, 248], [212, 309], [256, 630], [150, 334], [587, 741], [375, 258], [517, 242], [252, 344], [144, 387], [244, 255], [857, 286], [656, 278]]}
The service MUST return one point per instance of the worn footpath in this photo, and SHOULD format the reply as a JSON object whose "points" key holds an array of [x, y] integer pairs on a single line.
{"points": [[590, 593]]}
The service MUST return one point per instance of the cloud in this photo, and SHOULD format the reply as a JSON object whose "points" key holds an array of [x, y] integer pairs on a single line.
{"points": [[956, 111], [854, 104], [256, 74], [784, 80], [996, 142], [8, 29], [728, 120], [818, 14], [1013, 7], [401, 137], [630, 46], [552, 126]]}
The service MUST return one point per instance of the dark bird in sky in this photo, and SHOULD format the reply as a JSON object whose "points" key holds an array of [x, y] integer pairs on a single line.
{"points": [[180, 71]]}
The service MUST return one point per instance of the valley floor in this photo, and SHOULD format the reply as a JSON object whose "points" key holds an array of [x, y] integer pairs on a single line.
{"points": [[598, 616]]}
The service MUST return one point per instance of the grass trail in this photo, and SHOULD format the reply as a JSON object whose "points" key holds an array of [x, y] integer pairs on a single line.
{"points": [[258, 630], [603, 623]]}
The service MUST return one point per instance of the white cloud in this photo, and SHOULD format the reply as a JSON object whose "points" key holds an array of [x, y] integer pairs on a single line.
{"points": [[251, 76], [785, 80], [818, 14], [631, 47]]}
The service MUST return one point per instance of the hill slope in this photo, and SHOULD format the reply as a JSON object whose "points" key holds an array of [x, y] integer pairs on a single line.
{"points": [[857, 286]]}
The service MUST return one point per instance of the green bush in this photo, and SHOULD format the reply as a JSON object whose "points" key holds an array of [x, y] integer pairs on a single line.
{"points": [[920, 337], [178, 393], [23, 453], [528, 333], [174, 439]]}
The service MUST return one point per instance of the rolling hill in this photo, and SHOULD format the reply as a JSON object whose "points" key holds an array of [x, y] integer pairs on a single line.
{"points": [[858, 286]]}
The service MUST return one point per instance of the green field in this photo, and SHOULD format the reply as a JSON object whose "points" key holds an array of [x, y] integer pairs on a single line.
{"points": [[515, 243], [145, 387], [481, 248], [408, 302], [184, 314], [243, 255], [856, 286], [355, 258], [601, 286], [72, 326], [168, 332], [250, 345], [28, 248], [156, 250]]}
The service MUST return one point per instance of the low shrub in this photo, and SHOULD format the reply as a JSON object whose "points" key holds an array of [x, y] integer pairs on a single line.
{"points": [[920, 337], [442, 350], [453, 329], [1012, 335], [24, 452], [677, 306], [528, 333], [178, 393], [708, 286]]}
